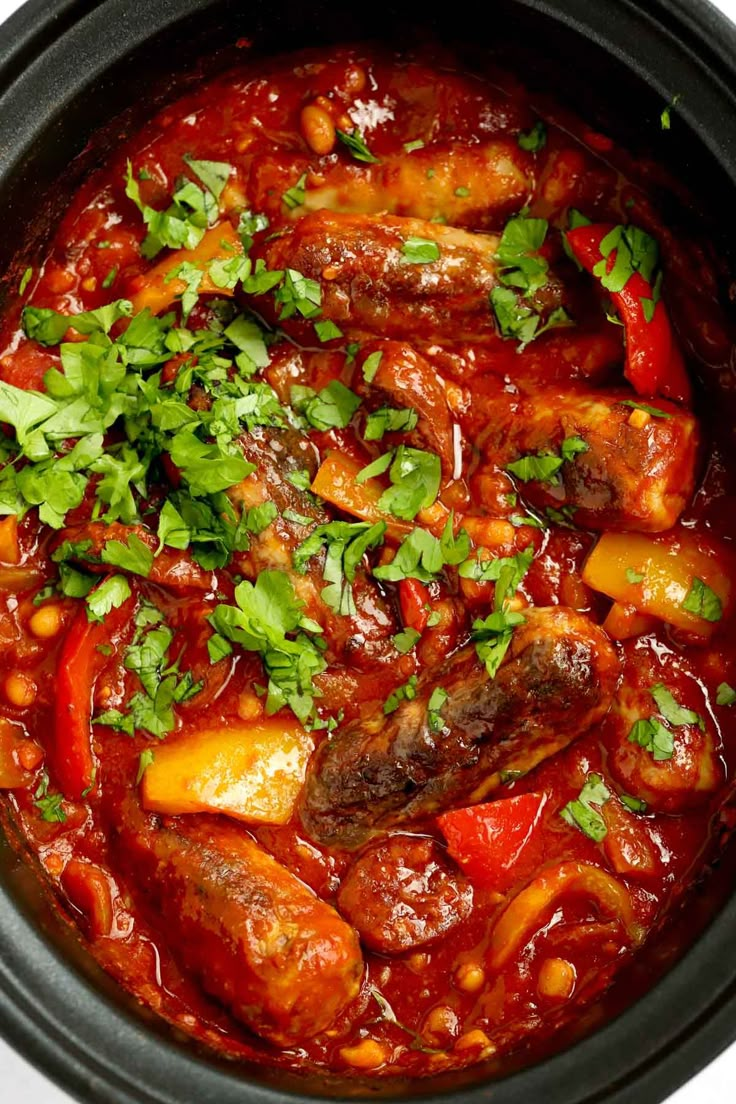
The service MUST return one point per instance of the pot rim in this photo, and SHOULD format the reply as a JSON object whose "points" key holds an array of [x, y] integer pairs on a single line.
{"points": [[52, 1014]]}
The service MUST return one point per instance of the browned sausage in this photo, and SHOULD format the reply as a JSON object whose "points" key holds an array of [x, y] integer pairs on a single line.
{"points": [[402, 894], [370, 283], [256, 938], [637, 470], [557, 679]]}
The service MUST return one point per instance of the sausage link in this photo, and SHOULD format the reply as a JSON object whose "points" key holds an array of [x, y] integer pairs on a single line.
{"points": [[256, 938], [402, 894]]}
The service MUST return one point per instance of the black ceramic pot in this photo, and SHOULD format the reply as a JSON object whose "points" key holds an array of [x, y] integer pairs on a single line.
{"points": [[68, 69]]}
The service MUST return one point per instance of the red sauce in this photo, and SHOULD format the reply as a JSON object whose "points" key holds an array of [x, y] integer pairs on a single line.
{"points": [[450, 1001]]}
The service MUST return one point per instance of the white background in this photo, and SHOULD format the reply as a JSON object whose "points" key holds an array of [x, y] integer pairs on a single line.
{"points": [[21, 1083]]}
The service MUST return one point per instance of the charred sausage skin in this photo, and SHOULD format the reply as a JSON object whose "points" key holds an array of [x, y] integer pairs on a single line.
{"points": [[557, 680]]}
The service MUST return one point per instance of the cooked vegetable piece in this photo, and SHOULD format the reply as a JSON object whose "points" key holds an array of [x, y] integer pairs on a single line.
{"points": [[86, 650], [623, 258], [163, 284], [253, 772], [88, 889], [530, 909], [668, 565], [499, 844]]}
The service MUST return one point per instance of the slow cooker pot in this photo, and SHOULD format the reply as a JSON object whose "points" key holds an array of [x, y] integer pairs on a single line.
{"points": [[69, 72]]}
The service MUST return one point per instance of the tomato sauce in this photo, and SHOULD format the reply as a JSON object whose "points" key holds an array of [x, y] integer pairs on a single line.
{"points": [[390, 183]]}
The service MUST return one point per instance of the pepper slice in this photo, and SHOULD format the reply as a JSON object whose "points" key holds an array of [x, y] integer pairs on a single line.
{"points": [[80, 664], [414, 602], [497, 844], [654, 363]]}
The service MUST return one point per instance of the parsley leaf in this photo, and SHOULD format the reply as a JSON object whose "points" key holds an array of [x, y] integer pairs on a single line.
{"points": [[107, 596], [492, 637], [388, 419], [346, 544], [371, 365], [50, 805], [135, 556], [213, 174], [579, 813], [331, 408], [407, 692], [702, 601], [295, 196], [436, 701], [535, 139], [635, 251], [571, 447], [672, 711], [725, 694], [415, 478], [422, 556], [405, 640], [268, 619], [419, 251], [652, 735], [356, 144], [542, 468], [653, 410]]}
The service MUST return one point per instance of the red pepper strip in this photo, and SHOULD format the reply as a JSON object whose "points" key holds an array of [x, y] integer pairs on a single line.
{"points": [[498, 844], [80, 664], [654, 363], [414, 600]]}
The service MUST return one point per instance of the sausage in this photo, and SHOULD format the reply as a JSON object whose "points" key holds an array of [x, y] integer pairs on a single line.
{"points": [[402, 894], [256, 938], [369, 283], [174, 570], [475, 186], [557, 679], [695, 770], [637, 471]]}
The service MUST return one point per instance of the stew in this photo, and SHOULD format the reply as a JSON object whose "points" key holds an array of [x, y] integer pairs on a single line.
{"points": [[366, 547]]}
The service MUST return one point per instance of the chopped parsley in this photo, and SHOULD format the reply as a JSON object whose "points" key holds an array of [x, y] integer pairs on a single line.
{"points": [[415, 144], [295, 196], [371, 365], [331, 408], [652, 735], [634, 251], [327, 331], [25, 280], [725, 694], [571, 447], [415, 480], [388, 419], [50, 805], [702, 601], [422, 556], [492, 637], [145, 759], [419, 251], [654, 411], [506, 572], [665, 118], [107, 596], [580, 812], [542, 468], [633, 576], [535, 139], [407, 692], [355, 143], [268, 619], [437, 700], [346, 543]]}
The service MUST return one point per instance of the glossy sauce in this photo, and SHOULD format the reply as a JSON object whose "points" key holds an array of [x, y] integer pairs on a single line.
{"points": [[449, 1004]]}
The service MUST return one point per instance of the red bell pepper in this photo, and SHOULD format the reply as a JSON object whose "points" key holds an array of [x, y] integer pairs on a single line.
{"points": [[80, 664], [654, 363], [497, 844], [414, 603]]}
